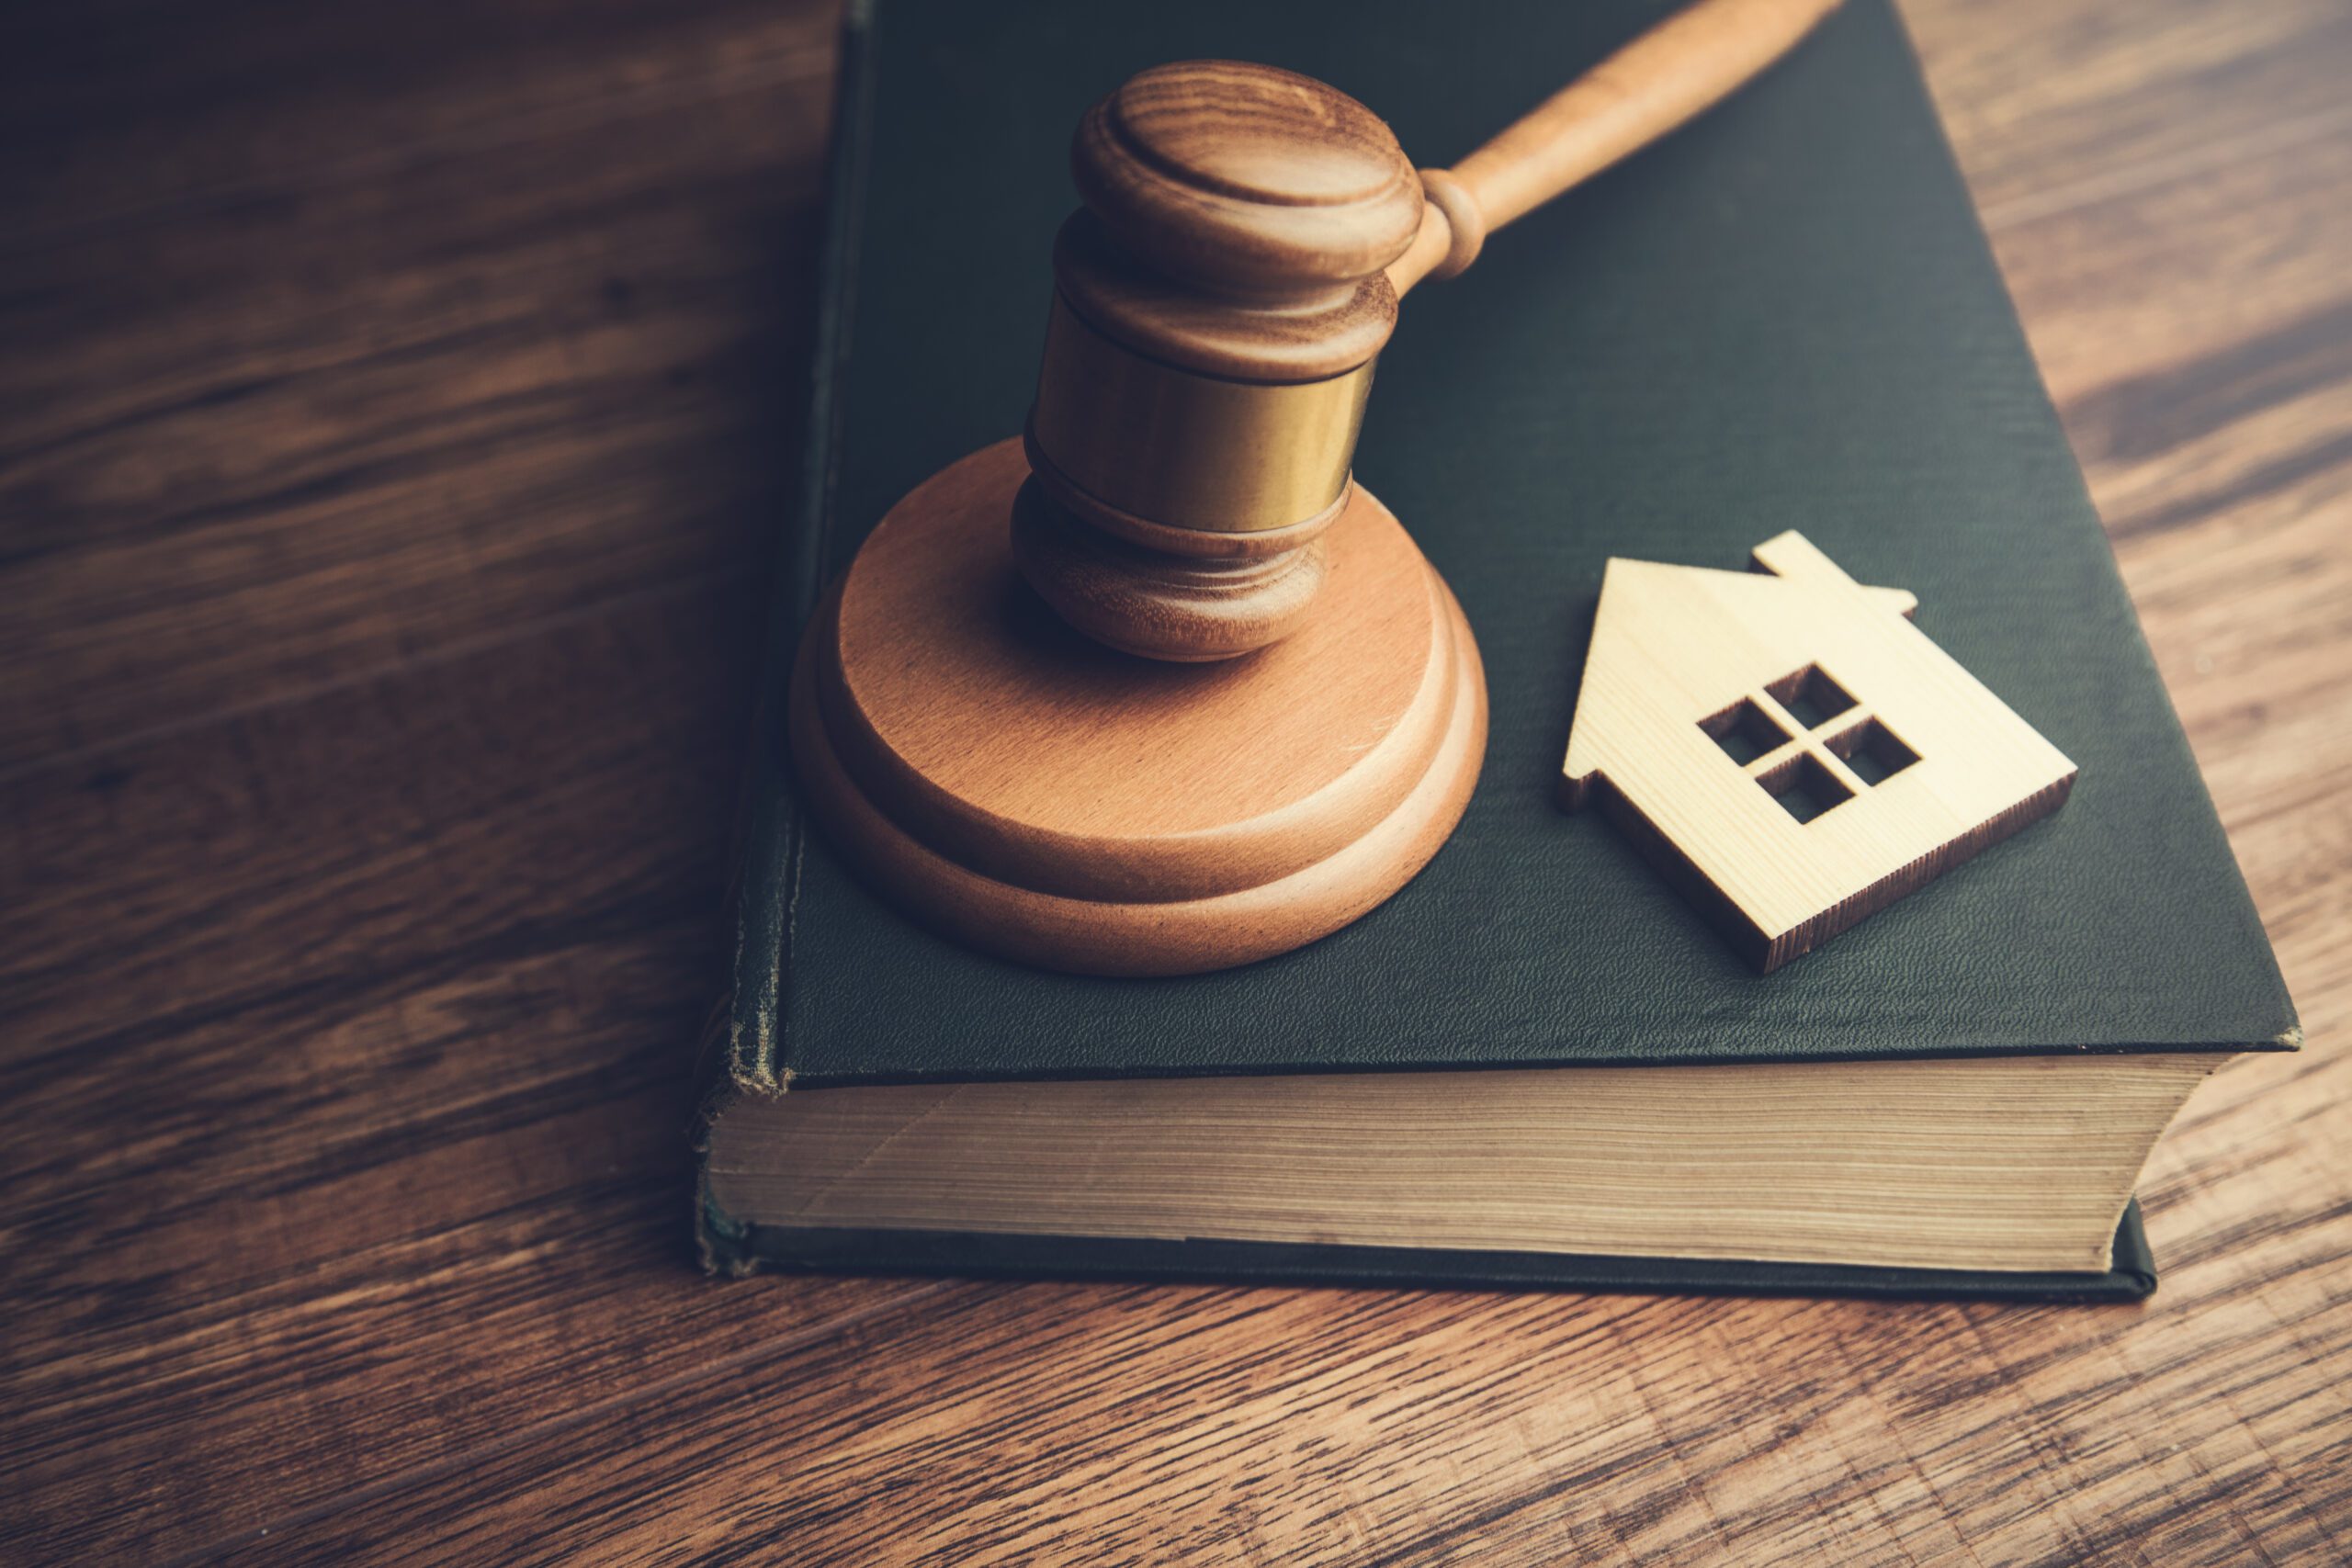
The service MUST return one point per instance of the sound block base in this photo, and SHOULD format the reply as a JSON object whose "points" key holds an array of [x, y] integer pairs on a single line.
{"points": [[1045, 798]]}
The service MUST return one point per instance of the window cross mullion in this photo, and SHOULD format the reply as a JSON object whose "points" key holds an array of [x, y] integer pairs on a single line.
{"points": [[1771, 709], [1837, 765]]}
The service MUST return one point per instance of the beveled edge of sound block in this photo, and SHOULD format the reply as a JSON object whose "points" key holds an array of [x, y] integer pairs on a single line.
{"points": [[1171, 935]]}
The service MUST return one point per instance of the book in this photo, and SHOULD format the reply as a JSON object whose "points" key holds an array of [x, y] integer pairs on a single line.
{"points": [[1535, 1064]]}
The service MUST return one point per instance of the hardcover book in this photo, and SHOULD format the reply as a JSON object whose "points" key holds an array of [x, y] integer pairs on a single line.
{"points": [[1537, 1064]]}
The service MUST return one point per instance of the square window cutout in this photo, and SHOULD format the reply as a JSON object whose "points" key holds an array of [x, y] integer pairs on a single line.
{"points": [[1875, 752], [1812, 698], [1803, 787], [1744, 731]]}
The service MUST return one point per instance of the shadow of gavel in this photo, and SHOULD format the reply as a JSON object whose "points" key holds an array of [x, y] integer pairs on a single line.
{"points": [[1223, 294]]}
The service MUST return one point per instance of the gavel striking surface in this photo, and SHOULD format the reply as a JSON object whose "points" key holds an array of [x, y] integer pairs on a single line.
{"points": [[1039, 796]]}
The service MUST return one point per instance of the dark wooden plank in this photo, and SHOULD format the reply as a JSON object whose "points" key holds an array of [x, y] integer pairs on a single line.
{"points": [[1140, 1425], [383, 494], [2059, 107], [346, 1088], [305, 417], [139, 112]]}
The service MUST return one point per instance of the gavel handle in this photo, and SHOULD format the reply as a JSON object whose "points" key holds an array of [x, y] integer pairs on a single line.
{"points": [[1680, 68]]}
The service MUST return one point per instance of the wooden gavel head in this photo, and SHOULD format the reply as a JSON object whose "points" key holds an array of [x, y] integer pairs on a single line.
{"points": [[1221, 298], [1220, 302]]}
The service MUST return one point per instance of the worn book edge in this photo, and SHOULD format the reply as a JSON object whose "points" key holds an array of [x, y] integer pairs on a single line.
{"points": [[741, 1250], [741, 1048]]}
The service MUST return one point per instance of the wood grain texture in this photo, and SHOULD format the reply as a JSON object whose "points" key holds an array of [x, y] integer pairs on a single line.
{"points": [[387, 454], [1246, 180]]}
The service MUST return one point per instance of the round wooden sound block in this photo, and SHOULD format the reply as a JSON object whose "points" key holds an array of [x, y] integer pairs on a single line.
{"points": [[1043, 797]]}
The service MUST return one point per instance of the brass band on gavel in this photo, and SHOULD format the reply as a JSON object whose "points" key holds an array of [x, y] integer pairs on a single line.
{"points": [[1129, 434]]}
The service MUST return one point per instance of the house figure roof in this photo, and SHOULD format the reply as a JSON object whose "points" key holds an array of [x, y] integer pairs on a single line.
{"points": [[1788, 748]]}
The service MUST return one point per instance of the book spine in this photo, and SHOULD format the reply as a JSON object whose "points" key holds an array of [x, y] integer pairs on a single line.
{"points": [[744, 1050]]}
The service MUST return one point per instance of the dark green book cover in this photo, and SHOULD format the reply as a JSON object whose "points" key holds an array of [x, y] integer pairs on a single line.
{"points": [[1786, 316]]}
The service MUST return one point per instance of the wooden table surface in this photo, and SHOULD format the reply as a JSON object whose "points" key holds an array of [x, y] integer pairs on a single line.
{"points": [[395, 422]]}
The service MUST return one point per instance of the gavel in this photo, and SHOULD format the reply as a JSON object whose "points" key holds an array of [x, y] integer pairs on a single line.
{"points": [[1182, 492], [1223, 294]]}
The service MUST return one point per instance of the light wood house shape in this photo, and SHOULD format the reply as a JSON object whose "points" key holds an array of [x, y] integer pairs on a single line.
{"points": [[1788, 748]]}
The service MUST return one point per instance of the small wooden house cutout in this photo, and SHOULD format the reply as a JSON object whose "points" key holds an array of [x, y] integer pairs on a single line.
{"points": [[1788, 748]]}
